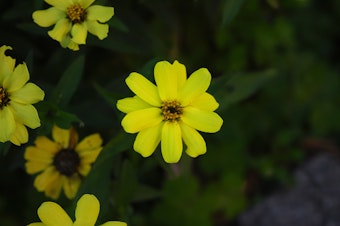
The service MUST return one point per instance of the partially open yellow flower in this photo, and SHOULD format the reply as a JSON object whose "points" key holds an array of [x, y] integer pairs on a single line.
{"points": [[63, 162], [171, 111], [16, 99], [73, 19], [87, 210]]}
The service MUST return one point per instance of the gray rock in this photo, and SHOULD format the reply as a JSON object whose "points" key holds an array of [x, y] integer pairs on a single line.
{"points": [[314, 200]]}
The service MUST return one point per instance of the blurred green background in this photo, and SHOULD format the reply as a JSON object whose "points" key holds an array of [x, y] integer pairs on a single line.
{"points": [[276, 76]]}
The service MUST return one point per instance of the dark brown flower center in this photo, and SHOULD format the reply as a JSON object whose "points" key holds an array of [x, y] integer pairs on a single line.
{"points": [[76, 13], [4, 98], [171, 110], [66, 162]]}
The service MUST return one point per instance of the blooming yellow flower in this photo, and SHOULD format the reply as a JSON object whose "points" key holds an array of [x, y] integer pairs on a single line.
{"points": [[87, 210], [73, 19], [63, 162], [16, 99], [171, 111]]}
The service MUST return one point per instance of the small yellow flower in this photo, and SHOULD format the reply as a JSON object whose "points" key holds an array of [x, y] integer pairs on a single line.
{"points": [[171, 111], [73, 19], [16, 99], [63, 162], [87, 210]]}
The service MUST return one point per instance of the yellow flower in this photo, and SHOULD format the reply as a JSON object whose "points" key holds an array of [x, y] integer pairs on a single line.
{"points": [[16, 99], [63, 162], [87, 210], [171, 111], [73, 19]]}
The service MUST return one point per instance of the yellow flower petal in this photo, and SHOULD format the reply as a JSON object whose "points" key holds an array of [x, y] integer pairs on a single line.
{"points": [[45, 178], [18, 79], [25, 114], [7, 64], [181, 73], [90, 156], [20, 135], [147, 140], [89, 143], [97, 29], [73, 46], [114, 223], [71, 186], [29, 94], [195, 143], [86, 3], [61, 136], [73, 138], [130, 104], [37, 155], [87, 211], [8, 124], [205, 121], [66, 42], [60, 4], [51, 214], [205, 102], [53, 189], [84, 169], [143, 88], [136, 121], [48, 17], [35, 167], [47, 145], [166, 80], [79, 33], [36, 224], [171, 143], [99, 13], [195, 86], [60, 30]]}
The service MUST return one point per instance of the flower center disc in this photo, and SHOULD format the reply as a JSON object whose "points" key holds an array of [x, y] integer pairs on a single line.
{"points": [[171, 110], [76, 13], [66, 162], [4, 98]]}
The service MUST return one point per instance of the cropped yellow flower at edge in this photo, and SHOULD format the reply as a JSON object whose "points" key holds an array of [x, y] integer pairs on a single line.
{"points": [[87, 210], [171, 111], [63, 162], [73, 19], [16, 98]]}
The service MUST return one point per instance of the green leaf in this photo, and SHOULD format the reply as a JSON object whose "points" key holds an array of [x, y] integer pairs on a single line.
{"points": [[51, 114], [230, 10], [109, 97], [97, 182], [64, 119], [69, 82], [127, 186], [231, 90], [4, 148], [118, 24]]}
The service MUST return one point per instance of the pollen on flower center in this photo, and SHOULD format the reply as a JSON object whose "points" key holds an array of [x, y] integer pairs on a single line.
{"points": [[4, 98], [171, 110], [66, 162], [76, 13]]}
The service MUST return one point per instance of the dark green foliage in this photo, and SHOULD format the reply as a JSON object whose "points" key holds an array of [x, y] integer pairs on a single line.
{"points": [[275, 75]]}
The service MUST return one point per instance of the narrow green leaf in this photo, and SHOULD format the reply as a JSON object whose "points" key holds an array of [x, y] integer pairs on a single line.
{"points": [[64, 119], [110, 98], [97, 182], [118, 24], [69, 82], [4, 148], [127, 186], [231, 90]]}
